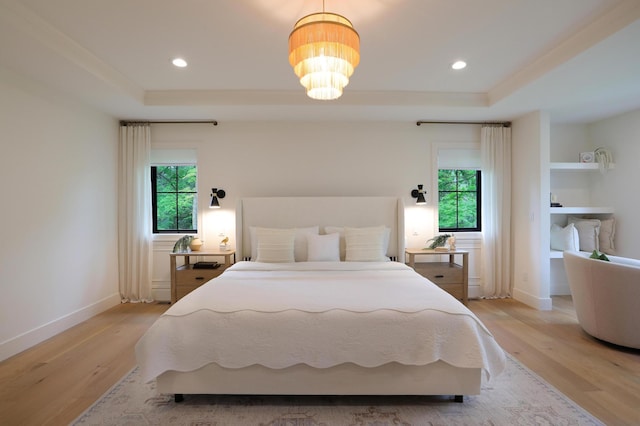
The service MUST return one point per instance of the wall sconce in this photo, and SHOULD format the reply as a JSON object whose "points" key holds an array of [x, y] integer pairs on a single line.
{"points": [[215, 194], [419, 194]]}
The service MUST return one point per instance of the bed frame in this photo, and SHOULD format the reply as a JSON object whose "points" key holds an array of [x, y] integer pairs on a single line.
{"points": [[438, 378]]}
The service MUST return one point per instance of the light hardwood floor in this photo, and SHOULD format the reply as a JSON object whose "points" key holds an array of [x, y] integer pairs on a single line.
{"points": [[54, 382]]}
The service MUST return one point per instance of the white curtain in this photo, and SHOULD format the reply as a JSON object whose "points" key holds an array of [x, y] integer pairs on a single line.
{"points": [[495, 148], [134, 213]]}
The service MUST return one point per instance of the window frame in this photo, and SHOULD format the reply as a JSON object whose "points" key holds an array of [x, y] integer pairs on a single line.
{"points": [[154, 201], [478, 193]]}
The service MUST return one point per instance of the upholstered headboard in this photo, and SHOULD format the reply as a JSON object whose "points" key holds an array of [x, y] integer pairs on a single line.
{"points": [[292, 212]]}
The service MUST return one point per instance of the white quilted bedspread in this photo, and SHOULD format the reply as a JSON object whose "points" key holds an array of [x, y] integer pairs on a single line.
{"points": [[321, 314]]}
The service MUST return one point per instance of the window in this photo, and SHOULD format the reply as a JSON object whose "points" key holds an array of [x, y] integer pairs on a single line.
{"points": [[174, 199], [459, 200]]}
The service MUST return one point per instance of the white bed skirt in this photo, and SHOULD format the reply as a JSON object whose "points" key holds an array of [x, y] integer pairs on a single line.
{"points": [[438, 378]]}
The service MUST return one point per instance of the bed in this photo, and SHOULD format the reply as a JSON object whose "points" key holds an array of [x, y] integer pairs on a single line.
{"points": [[296, 318]]}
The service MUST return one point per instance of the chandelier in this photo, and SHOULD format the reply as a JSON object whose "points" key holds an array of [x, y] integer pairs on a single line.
{"points": [[324, 49]]}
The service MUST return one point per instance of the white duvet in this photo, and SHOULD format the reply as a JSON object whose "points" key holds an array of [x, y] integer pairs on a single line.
{"points": [[317, 313]]}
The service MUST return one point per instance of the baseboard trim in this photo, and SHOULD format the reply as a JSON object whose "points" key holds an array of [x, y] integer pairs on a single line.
{"points": [[162, 294], [474, 292], [542, 304], [31, 338]]}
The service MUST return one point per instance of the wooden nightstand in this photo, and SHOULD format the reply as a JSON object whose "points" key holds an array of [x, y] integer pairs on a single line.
{"points": [[450, 276], [185, 279]]}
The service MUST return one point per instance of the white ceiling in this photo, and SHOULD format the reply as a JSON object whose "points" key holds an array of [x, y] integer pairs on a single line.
{"points": [[577, 59]]}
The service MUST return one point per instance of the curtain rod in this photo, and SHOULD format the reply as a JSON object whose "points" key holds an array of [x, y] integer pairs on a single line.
{"points": [[213, 122], [500, 123]]}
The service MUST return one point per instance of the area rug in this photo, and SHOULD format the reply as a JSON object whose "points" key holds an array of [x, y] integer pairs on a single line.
{"points": [[516, 397]]}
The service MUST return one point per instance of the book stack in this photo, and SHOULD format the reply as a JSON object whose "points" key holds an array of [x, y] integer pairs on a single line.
{"points": [[206, 265]]}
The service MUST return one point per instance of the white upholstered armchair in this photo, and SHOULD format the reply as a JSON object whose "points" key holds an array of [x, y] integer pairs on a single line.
{"points": [[606, 296]]}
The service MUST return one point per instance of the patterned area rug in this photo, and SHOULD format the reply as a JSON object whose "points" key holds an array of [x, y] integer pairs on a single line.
{"points": [[516, 397]]}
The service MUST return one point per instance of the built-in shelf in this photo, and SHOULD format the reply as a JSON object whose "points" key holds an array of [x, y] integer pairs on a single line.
{"points": [[556, 254], [577, 166], [576, 210], [581, 210]]}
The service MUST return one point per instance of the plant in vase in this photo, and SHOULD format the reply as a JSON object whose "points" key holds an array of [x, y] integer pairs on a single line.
{"points": [[438, 241], [182, 245]]}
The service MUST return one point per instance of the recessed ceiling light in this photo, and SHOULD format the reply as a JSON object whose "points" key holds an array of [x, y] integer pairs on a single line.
{"points": [[179, 62], [458, 65]]}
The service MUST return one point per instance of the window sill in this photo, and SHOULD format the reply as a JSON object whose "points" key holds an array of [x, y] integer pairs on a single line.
{"points": [[461, 236], [168, 237]]}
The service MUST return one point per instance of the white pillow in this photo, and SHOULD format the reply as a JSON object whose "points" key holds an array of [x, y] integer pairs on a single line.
{"points": [[275, 245], [340, 230], [365, 244], [606, 235], [299, 243], [588, 232], [323, 248], [566, 238]]}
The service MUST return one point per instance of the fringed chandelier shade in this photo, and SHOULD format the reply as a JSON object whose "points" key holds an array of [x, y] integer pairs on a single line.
{"points": [[324, 49]]}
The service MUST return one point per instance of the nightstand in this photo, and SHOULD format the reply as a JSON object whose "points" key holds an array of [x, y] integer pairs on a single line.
{"points": [[450, 276], [185, 279]]}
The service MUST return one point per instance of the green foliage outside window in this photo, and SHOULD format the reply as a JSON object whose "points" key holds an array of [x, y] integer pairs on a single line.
{"points": [[175, 199], [459, 200]]}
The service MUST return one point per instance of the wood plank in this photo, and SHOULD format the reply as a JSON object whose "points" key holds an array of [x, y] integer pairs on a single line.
{"points": [[602, 378], [66, 374]]}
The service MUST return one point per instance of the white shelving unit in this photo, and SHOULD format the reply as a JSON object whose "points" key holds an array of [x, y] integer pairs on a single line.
{"points": [[581, 210], [556, 254], [577, 166], [576, 210]]}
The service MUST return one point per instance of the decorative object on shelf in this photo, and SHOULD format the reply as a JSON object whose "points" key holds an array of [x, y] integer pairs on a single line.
{"points": [[587, 157], [554, 201], [224, 244], [604, 159], [419, 195], [195, 244], [183, 244], [215, 194], [439, 241], [451, 241], [324, 50]]}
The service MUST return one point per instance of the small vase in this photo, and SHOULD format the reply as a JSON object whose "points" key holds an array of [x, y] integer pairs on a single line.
{"points": [[196, 244]]}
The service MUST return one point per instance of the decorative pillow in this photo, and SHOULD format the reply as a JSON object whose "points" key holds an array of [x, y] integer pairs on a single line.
{"points": [[323, 248], [275, 245], [588, 232], [299, 243], [365, 244], [566, 238], [607, 233], [340, 230]]}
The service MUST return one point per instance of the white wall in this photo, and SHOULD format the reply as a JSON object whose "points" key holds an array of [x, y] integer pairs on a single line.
{"points": [[567, 142], [619, 187], [313, 159], [530, 209], [58, 258]]}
